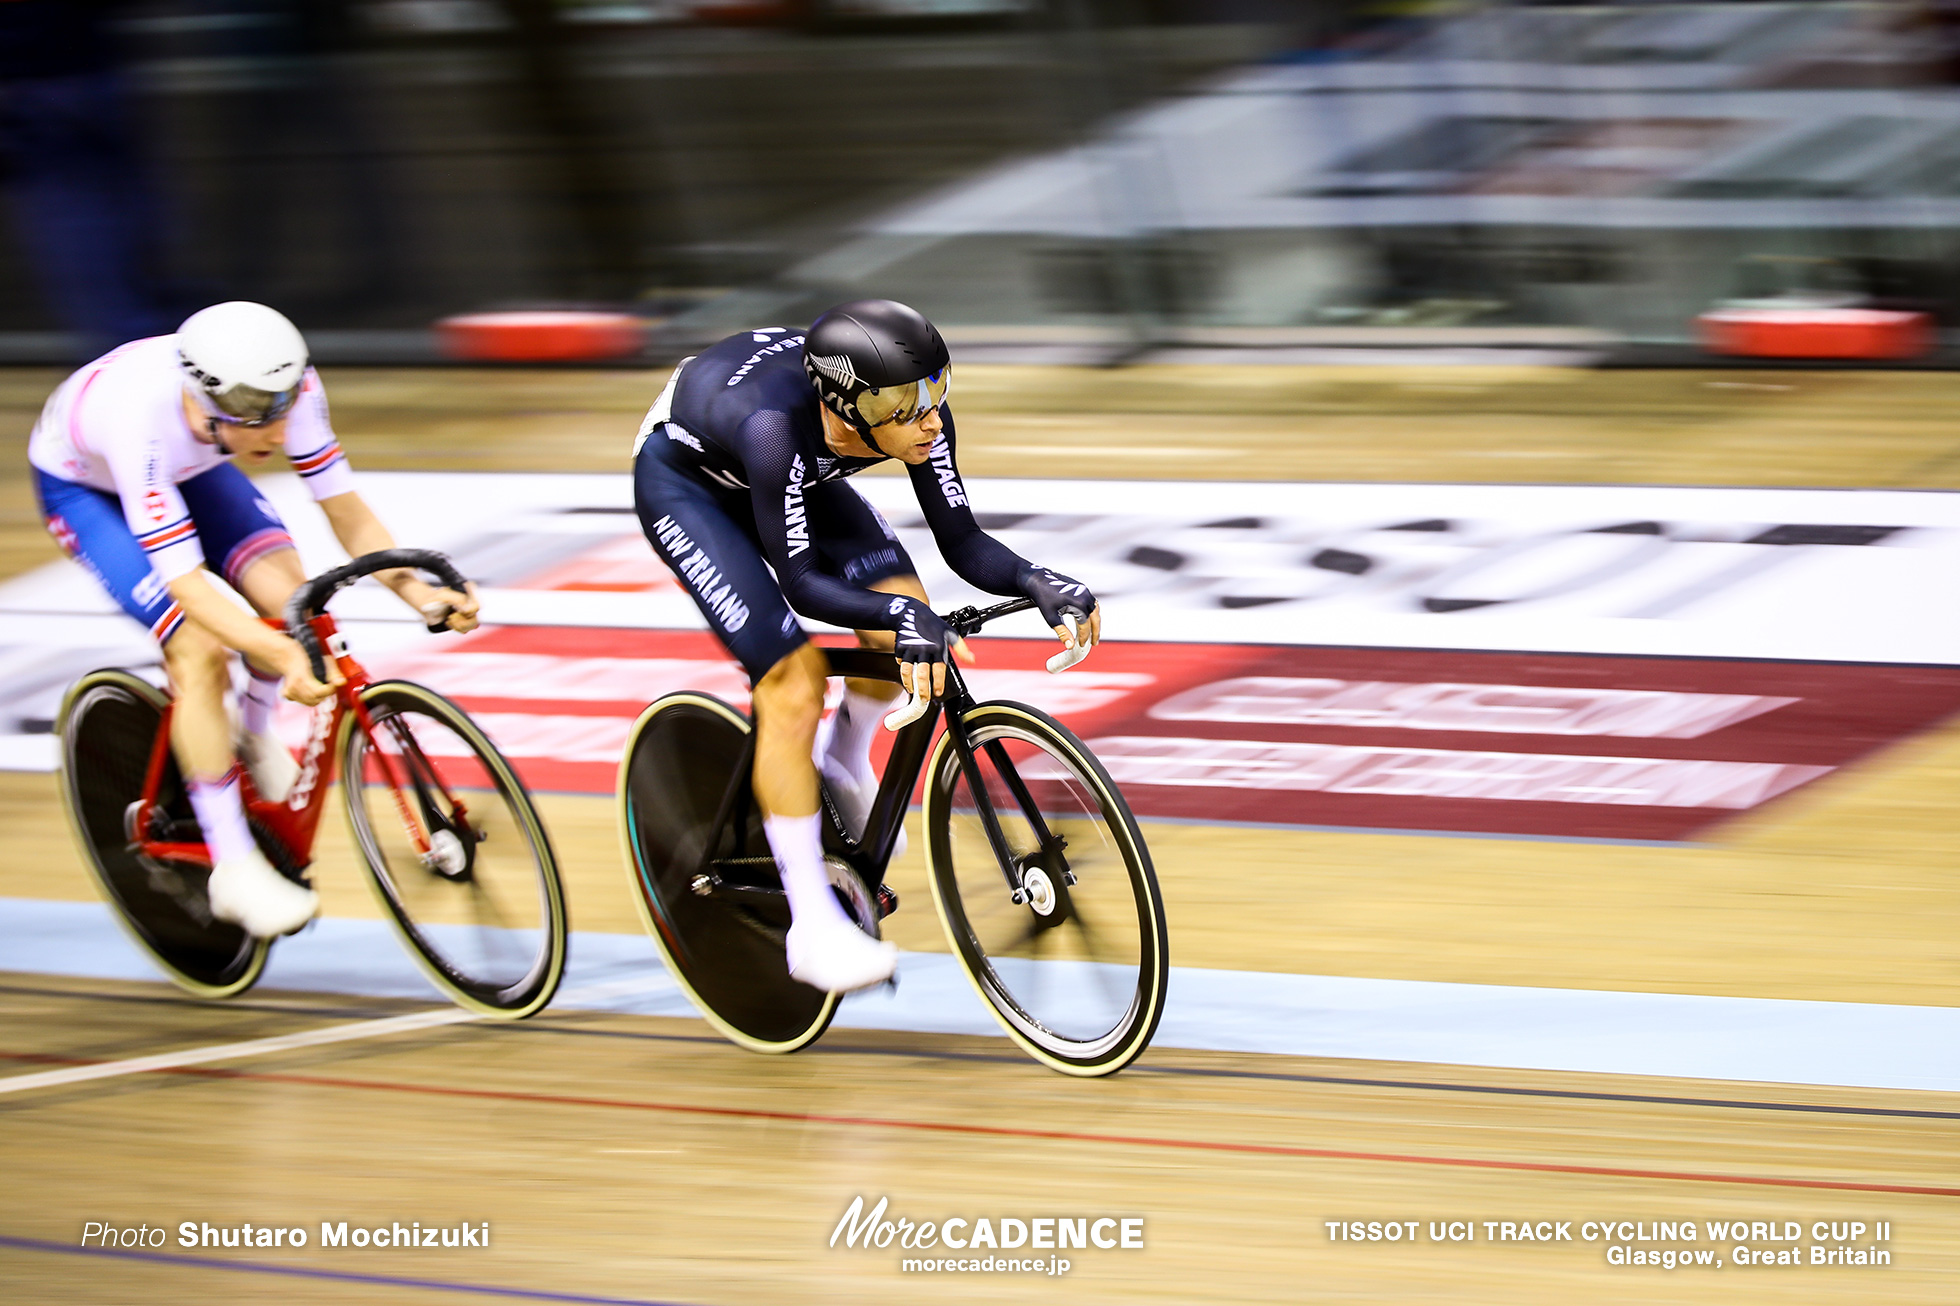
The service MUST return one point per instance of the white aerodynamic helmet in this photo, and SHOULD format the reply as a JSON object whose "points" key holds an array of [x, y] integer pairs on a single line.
{"points": [[245, 361]]}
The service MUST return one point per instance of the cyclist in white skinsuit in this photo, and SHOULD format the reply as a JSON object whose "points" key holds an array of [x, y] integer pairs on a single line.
{"points": [[135, 461]]}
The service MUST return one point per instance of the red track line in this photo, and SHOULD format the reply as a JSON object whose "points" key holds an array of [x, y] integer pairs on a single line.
{"points": [[1052, 1135], [46, 1059]]}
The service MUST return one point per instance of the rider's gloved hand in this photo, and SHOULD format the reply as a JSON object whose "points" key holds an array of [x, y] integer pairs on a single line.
{"points": [[923, 640], [441, 608], [1056, 594], [296, 670]]}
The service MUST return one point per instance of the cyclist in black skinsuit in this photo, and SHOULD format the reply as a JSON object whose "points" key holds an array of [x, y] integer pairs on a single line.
{"points": [[738, 478]]}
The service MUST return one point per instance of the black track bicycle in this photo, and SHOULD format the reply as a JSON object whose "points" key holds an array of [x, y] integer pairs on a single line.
{"points": [[1040, 875]]}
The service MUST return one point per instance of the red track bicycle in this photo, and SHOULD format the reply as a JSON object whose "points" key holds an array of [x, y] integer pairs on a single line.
{"points": [[451, 843]]}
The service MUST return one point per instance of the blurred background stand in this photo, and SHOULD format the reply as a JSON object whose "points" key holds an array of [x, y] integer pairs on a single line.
{"points": [[284, 174], [85, 208], [1074, 180]]}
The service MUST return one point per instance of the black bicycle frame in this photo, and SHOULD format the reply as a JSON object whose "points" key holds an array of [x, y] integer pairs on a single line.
{"points": [[870, 854]]}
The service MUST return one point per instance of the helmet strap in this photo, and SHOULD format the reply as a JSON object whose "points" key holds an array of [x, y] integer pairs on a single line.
{"points": [[864, 433], [214, 428]]}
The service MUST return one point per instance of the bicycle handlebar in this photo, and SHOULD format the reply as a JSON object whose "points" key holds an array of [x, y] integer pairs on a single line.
{"points": [[968, 621], [311, 599]]}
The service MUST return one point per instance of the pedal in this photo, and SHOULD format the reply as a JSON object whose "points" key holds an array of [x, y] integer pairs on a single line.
{"points": [[169, 881], [887, 903], [852, 896], [278, 853]]}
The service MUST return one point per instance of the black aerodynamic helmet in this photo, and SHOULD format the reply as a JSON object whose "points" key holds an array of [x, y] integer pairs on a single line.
{"points": [[875, 361]]}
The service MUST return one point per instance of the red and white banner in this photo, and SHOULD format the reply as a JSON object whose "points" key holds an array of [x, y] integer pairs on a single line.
{"points": [[1296, 653], [1560, 745]]}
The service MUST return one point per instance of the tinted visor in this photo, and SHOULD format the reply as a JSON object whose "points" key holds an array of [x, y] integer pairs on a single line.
{"points": [[905, 404], [250, 406]]}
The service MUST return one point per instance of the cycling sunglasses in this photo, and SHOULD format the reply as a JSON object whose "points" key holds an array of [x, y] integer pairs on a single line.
{"points": [[905, 404], [245, 405]]}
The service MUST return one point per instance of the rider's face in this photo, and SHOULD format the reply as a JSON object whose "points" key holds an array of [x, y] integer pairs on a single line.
{"points": [[254, 444], [911, 443], [250, 445]]}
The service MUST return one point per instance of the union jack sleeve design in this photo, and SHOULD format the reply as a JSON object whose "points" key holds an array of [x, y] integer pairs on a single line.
{"points": [[165, 536], [166, 625], [312, 464]]}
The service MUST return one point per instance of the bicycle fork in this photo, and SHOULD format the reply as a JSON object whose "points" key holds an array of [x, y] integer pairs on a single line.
{"points": [[445, 861], [1048, 846]]}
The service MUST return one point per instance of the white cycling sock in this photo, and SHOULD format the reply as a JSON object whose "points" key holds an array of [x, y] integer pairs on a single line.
{"points": [[259, 701], [221, 815], [852, 728], [798, 845]]}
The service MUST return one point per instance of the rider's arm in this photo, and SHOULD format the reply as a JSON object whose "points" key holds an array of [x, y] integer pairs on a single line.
{"points": [[360, 531], [312, 447], [237, 629], [983, 561], [156, 515], [314, 451], [777, 479], [152, 507], [975, 556]]}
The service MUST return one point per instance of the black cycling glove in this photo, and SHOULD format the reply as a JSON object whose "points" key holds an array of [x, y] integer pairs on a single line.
{"points": [[1054, 593], [922, 636]]}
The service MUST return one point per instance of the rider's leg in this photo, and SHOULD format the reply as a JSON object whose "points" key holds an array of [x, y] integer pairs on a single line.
{"points": [[246, 543], [243, 888], [788, 703], [90, 527], [200, 732], [844, 750], [698, 533], [854, 744], [267, 582], [826, 948]]}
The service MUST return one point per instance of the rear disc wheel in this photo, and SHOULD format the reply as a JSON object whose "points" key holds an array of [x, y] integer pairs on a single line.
{"points": [[108, 729], [718, 924]]}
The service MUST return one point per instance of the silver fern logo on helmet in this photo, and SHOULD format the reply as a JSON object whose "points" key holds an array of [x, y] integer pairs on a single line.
{"points": [[837, 367]]}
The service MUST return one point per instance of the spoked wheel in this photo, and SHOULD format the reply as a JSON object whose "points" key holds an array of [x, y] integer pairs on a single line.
{"points": [[455, 851], [1064, 938], [717, 913], [108, 728]]}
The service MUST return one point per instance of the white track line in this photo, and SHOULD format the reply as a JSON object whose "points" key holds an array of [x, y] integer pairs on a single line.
{"points": [[579, 996], [232, 1051]]}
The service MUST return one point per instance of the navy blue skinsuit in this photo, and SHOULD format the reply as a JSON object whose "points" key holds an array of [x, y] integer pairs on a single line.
{"points": [[740, 476]]}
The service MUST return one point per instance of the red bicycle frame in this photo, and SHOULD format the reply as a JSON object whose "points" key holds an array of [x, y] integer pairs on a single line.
{"points": [[296, 821]]}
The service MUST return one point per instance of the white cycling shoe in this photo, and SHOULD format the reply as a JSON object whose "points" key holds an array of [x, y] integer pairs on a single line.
{"points": [[249, 893], [832, 954], [854, 795], [274, 770]]}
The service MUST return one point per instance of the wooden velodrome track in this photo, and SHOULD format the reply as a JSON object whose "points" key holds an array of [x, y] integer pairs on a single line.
{"points": [[639, 1159]]}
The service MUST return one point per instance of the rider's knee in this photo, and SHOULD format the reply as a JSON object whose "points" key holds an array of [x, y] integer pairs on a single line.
{"points": [[269, 581], [792, 693], [195, 659]]}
